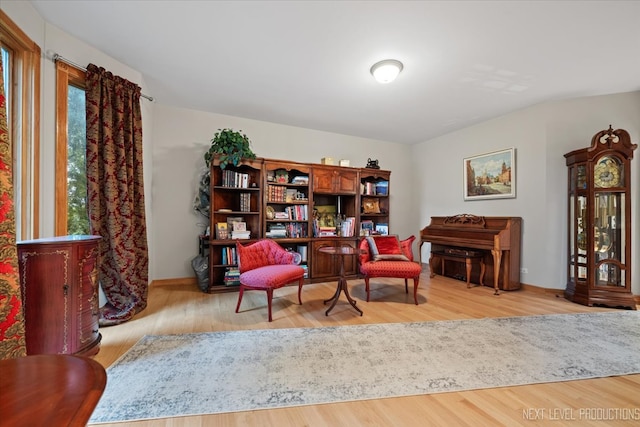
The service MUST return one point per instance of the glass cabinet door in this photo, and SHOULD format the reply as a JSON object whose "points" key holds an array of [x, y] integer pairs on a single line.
{"points": [[609, 239], [582, 237]]}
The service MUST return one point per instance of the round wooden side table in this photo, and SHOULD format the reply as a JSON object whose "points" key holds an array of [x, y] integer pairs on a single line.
{"points": [[51, 389]]}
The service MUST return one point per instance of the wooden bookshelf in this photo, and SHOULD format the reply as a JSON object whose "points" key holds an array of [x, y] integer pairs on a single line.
{"points": [[279, 199]]}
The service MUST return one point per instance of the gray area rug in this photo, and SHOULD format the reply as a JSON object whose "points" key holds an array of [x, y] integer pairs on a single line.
{"points": [[206, 373]]}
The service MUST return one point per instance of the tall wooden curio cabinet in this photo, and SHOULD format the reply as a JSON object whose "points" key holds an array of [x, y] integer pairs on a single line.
{"points": [[599, 253]]}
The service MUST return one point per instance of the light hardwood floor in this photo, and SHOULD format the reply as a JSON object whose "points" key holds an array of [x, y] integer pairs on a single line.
{"points": [[175, 308]]}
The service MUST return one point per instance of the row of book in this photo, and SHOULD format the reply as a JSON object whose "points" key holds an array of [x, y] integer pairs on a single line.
{"points": [[345, 229], [232, 277], [297, 212], [290, 230], [235, 179], [245, 202], [276, 193], [229, 256]]}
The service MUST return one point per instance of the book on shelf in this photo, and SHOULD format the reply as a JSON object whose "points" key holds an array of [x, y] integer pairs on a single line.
{"points": [[229, 255], [245, 202], [297, 212], [222, 230], [327, 232], [276, 193], [246, 234], [276, 231], [232, 276], [235, 179], [348, 227]]}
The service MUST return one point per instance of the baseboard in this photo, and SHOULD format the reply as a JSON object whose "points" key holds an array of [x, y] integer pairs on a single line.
{"points": [[539, 289], [176, 281]]}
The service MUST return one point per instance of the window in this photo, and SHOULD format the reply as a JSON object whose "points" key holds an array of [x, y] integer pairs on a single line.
{"points": [[21, 63], [71, 137]]}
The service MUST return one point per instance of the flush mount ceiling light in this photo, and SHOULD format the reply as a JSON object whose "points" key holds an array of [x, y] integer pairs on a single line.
{"points": [[386, 71]]}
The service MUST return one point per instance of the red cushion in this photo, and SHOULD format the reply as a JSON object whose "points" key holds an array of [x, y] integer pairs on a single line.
{"points": [[386, 245], [386, 248], [261, 253], [400, 269], [272, 276]]}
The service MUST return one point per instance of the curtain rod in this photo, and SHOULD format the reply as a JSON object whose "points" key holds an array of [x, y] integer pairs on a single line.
{"points": [[57, 57]]}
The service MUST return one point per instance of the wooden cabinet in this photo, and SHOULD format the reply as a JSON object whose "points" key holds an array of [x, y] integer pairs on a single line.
{"points": [[335, 180], [324, 266], [58, 280], [287, 201], [599, 252]]}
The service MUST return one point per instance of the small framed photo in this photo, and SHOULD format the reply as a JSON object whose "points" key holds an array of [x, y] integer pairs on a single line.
{"points": [[490, 175], [222, 230], [382, 228]]}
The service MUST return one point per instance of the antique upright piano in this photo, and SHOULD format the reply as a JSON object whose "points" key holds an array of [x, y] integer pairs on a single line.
{"points": [[496, 238]]}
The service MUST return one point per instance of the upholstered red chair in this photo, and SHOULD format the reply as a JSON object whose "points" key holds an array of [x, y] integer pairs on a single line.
{"points": [[265, 265], [388, 256]]}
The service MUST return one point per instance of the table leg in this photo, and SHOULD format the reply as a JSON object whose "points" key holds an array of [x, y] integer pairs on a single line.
{"points": [[342, 287], [335, 296]]}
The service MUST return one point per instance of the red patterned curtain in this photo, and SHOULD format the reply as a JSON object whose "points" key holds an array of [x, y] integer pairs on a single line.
{"points": [[12, 339], [115, 191]]}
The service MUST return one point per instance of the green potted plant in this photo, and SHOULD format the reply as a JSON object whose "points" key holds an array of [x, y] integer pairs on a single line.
{"points": [[230, 146]]}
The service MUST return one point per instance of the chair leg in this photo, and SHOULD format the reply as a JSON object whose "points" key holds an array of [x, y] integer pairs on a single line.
{"points": [[366, 287], [406, 286], [240, 293], [269, 298], [416, 280], [300, 290]]}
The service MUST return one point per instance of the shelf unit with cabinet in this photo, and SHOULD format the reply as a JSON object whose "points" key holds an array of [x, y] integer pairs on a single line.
{"points": [[287, 202]]}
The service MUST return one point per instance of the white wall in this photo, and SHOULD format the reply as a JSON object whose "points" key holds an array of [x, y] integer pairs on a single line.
{"points": [[541, 135], [182, 137]]}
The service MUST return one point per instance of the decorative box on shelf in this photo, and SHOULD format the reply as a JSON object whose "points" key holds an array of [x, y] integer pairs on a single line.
{"points": [[326, 161]]}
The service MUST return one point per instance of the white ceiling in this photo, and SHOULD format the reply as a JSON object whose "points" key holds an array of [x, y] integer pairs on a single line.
{"points": [[306, 63]]}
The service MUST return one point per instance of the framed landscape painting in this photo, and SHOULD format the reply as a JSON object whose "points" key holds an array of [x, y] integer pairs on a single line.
{"points": [[490, 175]]}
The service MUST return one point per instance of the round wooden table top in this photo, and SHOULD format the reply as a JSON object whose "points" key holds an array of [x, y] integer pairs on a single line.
{"points": [[342, 250], [50, 389]]}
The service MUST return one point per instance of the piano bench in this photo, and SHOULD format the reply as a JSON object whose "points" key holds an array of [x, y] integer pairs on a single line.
{"points": [[468, 260]]}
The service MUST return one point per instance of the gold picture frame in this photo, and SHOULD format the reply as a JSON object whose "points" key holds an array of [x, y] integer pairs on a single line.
{"points": [[370, 206]]}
